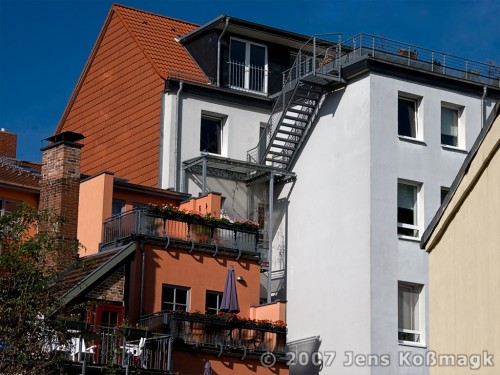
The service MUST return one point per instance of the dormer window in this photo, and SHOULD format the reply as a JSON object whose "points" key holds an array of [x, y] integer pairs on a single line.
{"points": [[248, 66]]}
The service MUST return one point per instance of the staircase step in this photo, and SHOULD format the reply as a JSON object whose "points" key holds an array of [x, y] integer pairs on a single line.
{"points": [[288, 139], [293, 126], [304, 96], [299, 111], [277, 161], [279, 154], [283, 147], [287, 132], [308, 105], [304, 120]]}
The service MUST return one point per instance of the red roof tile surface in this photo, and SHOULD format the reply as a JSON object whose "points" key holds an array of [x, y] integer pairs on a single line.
{"points": [[116, 104]]}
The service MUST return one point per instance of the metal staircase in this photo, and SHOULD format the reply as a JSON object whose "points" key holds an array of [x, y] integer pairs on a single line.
{"points": [[316, 67]]}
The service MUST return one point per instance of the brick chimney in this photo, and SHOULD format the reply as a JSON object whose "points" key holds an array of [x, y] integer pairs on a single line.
{"points": [[60, 188], [8, 143]]}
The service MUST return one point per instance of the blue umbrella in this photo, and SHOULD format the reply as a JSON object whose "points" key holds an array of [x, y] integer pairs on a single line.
{"points": [[208, 368], [229, 301]]}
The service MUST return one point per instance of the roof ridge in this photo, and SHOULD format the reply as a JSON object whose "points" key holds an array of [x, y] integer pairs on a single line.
{"points": [[115, 5]]}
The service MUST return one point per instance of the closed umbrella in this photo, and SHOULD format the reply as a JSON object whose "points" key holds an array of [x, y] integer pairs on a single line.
{"points": [[208, 369], [229, 301]]}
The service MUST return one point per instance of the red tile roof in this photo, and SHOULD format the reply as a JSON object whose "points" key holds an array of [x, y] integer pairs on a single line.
{"points": [[19, 173], [156, 36]]}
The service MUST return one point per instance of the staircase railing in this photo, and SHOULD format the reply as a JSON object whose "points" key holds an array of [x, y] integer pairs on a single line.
{"points": [[312, 58]]}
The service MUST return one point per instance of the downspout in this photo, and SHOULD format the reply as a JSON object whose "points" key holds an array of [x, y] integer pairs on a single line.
{"points": [[218, 50], [270, 238], [178, 138], [483, 110], [141, 244]]}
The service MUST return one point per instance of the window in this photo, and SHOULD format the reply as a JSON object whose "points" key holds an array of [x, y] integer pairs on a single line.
{"points": [[408, 210], [212, 302], [409, 313], [444, 193], [407, 117], [211, 135], [118, 207], [248, 66], [450, 127], [8, 205], [174, 298]]}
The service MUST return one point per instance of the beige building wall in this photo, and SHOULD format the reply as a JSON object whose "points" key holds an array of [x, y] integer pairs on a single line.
{"points": [[464, 266]]}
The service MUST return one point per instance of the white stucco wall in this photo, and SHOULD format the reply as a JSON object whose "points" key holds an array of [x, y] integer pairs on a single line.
{"points": [[329, 230], [344, 256]]}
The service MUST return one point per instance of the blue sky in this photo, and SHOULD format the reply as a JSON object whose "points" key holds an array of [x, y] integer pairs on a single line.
{"points": [[44, 44]]}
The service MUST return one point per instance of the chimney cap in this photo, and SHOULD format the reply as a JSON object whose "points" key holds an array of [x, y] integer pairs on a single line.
{"points": [[65, 137]]}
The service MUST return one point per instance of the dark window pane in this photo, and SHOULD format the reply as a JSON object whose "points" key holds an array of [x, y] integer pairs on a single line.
{"points": [[212, 302], [118, 207], [444, 193], [407, 118], [257, 66], [210, 135], [449, 126], [237, 51]]}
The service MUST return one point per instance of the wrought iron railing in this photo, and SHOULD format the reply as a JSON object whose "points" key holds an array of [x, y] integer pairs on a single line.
{"points": [[217, 236], [110, 347], [219, 334], [250, 78]]}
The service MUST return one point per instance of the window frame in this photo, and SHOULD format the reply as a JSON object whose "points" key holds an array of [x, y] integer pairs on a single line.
{"points": [[220, 137], [4, 205], [418, 216], [417, 120], [460, 137], [417, 318], [246, 84], [210, 310], [444, 190], [174, 302], [123, 206]]}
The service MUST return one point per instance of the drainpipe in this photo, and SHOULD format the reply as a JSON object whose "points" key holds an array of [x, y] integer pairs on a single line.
{"points": [[218, 50], [270, 236], [483, 110], [141, 244], [178, 138]]}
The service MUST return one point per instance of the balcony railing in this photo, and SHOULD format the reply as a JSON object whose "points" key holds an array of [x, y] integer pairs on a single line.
{"points": [[216, 236], [250, 78], [98, 347], [420, 58], [246, 338]]}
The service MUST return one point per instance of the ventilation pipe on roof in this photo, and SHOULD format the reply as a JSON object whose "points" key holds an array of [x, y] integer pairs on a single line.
{"points": [[218, 51], [483, 109], [178, 138]]}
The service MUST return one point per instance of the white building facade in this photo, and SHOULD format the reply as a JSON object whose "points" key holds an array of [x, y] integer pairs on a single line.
{"points": [[346, 215]]}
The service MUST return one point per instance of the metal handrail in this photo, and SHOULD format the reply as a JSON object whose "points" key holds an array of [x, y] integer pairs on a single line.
{"points": [[422, 58]]}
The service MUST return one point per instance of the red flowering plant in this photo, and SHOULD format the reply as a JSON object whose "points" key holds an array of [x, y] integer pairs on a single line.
{"points": [[175, 213]]}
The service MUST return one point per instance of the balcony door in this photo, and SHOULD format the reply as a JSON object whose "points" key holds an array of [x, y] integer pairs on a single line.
{"points": [[248, 66]]}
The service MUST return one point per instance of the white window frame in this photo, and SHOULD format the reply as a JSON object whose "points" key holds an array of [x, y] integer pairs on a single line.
{"points": [[460, 125], [418, 207], [176, 288], [417, 316], [417, 100], [223, 132], [246, 85], [219, 300]]}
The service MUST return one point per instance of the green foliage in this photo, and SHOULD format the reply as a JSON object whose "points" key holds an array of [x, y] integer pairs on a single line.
{"points": [[29, 256]]}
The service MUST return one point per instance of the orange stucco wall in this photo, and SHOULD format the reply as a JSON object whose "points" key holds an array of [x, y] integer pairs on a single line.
{"points": [[189, 363], [94, 206], [270, 311], [208, 204], [196, 271], [29, 198]]}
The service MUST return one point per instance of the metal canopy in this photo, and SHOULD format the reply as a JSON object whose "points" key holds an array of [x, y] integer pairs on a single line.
{"points": [[231, 169]]}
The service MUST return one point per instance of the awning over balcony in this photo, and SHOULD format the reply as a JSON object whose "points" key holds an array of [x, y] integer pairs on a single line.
{"points": [[218, 166]]}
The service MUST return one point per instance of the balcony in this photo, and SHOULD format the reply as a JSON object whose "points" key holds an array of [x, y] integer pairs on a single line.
{"points": [[188, 231], [96, 349], [244, 338], [248, 78]]}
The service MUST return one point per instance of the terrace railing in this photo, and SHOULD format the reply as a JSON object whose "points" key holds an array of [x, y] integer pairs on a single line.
{"points": [[214, 235], [420, 58], [100, 347], [216, 334]]}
